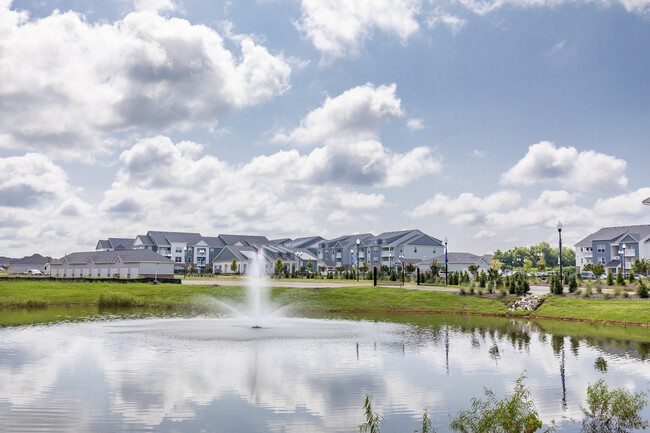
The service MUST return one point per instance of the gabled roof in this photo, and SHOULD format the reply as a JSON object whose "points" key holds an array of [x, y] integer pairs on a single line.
{"points": [[306, 242], [164, 239], [239, 253], [112, 257], [103, 244], [121, 243], [214, 242], [244, 240], [646, 201], [460, 258], [35, 259], [611, 234], [344, 241], [144, 240], [280, 241]]}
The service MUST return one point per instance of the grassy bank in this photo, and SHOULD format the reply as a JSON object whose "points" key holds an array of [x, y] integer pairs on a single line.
{"points": [[22, 294]]}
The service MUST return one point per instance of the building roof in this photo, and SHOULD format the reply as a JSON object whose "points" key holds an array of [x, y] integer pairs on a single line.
{"points": [[459, 258], [214, 241], [164, 239], [305, 242], [34, 259], [344, 241], [612, 234], [112, 256], [280, 241], [646, 201], [244, 240]]}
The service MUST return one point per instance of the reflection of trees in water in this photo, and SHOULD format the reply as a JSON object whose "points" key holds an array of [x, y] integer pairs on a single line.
{"points": [[575, 345], [600, 364], [495, 354]]}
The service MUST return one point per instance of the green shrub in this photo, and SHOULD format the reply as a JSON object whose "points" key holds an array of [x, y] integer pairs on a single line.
{"points": [[618, 291], [573, 284], [588, 292], [606, 296], [642, 290], [619, 279], [610, 278]]}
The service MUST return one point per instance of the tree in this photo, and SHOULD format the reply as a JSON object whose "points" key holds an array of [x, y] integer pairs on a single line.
{"points": [[473, 269], [541, 264], [233, 266], [556, 284], [514, 413], [598, 269], [364, 267], [619, 278], [588, 267], [528, 264], [573, 284], [410, 268], [616, 411], [610, 278], [642, 290], [640, 266], [310, 266], [279, 266], [435, 268]]}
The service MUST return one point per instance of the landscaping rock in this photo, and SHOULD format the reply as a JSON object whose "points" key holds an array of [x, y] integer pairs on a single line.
{"points": [[527, 302]]}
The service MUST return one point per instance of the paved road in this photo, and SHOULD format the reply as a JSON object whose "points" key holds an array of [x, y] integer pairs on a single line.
{"points": [[325, 283]]}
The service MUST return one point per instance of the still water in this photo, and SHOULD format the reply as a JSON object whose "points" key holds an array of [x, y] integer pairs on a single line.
{"points": [[194, 374]]}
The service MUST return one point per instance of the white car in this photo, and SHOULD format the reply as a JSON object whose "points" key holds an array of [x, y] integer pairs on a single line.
{"points": [[34, 272]]}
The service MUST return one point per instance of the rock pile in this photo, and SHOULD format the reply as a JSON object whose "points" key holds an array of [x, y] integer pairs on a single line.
{"points": [[527, 302]]}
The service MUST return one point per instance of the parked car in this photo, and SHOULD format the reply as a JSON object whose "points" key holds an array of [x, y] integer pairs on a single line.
{"points": [[34, 272], [587, 274]]}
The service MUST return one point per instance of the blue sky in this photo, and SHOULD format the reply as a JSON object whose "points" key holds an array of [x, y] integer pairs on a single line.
{"points": [[483, 121]]}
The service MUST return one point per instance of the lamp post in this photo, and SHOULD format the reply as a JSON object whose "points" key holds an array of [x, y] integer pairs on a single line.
{"points": [[446, 264], [621, 253], [559, 253], [358, 242], [401, 260], [298, 258], [351, 258], [184, 262]]}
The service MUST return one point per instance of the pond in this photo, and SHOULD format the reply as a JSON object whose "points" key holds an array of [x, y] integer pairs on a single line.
{"points": [[124, 371]]}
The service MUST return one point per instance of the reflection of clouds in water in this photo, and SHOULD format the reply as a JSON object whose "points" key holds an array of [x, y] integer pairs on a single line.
{"points": [[146, 372]]}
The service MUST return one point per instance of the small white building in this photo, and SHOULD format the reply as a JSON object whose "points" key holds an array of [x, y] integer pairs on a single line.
{"points": [[457, 262], [109, 264]]}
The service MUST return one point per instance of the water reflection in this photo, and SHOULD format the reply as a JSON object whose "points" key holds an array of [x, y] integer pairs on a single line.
{"points": [[210, 374]]}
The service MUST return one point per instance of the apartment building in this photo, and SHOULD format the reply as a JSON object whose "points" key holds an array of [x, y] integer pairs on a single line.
{"points": [[614, 247]]}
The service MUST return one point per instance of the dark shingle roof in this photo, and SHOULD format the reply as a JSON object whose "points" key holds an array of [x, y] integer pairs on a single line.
{"points": [[245, 240], [111, 256], [613, 233], [121, 243], [163, 239], [214, 242], [462, 258], [344, 240], [35, 259]]}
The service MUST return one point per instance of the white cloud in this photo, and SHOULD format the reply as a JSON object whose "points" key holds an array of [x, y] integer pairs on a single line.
{"points": [[483, 7], [356, 114], [338, 28], [479, 153], [467, 208], [348, 127], [65, 83], [584, 171], [453, 23], [154, 5], [624, 205], [415, 124]]}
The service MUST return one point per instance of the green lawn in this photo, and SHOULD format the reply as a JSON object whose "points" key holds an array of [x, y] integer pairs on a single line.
{"points": [[331, 299]]}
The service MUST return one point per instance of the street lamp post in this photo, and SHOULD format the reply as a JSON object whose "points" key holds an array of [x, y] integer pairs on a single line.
{"points": [[446, 264], [358, 242], [184, 262], [401, 260], [621, 254], [298, 258], [559, 232]]}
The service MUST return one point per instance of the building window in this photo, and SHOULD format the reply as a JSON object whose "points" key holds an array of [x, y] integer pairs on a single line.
{"points": [[179, 250], [178, 259], [601, 260], [415, 249], [600, 248]]}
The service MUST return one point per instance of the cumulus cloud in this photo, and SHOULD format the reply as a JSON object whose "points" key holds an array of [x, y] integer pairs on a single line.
{"points": [[65, 82], [356, 114], [467, 208], [483, 7], [38, 206], [452, 22], [269, 193], [338, 28], [415, 124], [348, 128], [583, 171]]}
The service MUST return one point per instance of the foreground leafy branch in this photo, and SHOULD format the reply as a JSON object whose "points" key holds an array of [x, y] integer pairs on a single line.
{"points": [[613, 411], [608, 411]]}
